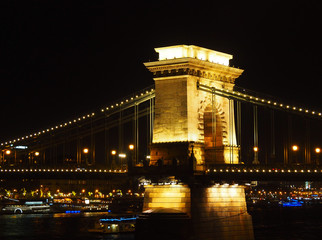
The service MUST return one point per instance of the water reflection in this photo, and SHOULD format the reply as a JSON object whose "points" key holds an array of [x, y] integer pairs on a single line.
{"points": [[53, 226]]}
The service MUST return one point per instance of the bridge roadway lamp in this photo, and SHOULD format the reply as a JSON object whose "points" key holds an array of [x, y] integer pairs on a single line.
{"points": [[255, 161], [122, 156], [317, 151], [5, 152], [85, 150], [295, 148], [113, 164]]}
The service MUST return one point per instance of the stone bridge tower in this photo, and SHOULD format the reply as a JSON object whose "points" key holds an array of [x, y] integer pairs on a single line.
{"points": [[186, 116]]}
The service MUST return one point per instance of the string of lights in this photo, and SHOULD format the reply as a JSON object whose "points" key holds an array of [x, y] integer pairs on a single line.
{"points": [[133, 98], [257, 100]]}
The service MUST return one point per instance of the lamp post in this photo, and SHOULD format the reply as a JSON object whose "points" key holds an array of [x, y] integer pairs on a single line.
{"points": [[131, 158], [317, 151], [113, 152], [122, 156], [255, 149], [86, 151], [4, 153], [295, 149], [35, 156]]}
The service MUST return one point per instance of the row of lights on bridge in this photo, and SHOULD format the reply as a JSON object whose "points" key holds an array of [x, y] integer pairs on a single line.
{"points": [[265, 170], [49, 129], [269, 102], [208, 170], [294, 148], [113, 152], [85, 151], [8, 152], [125, 101], [69, 122], [65, 170]]}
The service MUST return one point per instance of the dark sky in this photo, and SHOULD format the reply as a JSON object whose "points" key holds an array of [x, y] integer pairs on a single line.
{"points": [[61, 59]]}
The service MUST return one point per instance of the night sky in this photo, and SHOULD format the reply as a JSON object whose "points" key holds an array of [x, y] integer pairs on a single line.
{"points": [[62, 59]]}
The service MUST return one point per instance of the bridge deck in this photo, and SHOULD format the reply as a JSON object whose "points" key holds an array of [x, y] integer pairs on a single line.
{"points": [[219, 173]]}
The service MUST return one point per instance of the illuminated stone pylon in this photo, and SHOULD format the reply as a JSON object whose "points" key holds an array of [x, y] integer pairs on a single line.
{"points": [[185, 115], [216, 212]]}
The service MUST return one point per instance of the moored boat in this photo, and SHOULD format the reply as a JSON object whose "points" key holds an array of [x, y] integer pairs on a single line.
{"points": [[120, 224], [26, 207]]}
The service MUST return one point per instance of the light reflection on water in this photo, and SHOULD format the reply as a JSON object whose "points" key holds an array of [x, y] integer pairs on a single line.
{"points": [[278, 224], [53, 226]]}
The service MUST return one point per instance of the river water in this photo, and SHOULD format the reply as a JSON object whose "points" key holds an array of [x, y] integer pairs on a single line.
{"points": [[277, 224]]}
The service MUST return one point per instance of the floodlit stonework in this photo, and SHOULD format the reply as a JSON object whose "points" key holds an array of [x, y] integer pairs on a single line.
{"points": [[185, 115], [216, 212]]}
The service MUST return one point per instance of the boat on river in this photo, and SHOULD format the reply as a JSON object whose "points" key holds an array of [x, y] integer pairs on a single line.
{"points": [[116, 224], [26, 207]]}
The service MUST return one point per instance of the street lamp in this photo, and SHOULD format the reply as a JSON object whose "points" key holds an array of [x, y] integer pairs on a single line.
{"points": [[5, 152], [113, 152], [295, 148], [255, 149], [85, 150], [122, 156], [317, 151], [131, 158]]}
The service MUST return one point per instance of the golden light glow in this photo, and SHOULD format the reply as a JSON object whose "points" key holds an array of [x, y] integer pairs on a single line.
{"points": [[131, 146], [122, 155], [7, 152], [113, 152], [317, 150], [191, 51], [85, 150], [255, 149], [167, 196], [37, 153], [295, 148]]}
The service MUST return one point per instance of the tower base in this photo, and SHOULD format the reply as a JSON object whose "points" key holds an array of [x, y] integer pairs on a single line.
{"points": [[222, 155], [177, 151]]}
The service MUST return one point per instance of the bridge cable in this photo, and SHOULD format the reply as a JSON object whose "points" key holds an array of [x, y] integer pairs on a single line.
{"points": [[273, 147], [238, 111], [120, 128], [307, 143], [230, 132]]}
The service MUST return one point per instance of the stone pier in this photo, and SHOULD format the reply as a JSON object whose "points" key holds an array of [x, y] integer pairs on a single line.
{"points": [[215, 212]]}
